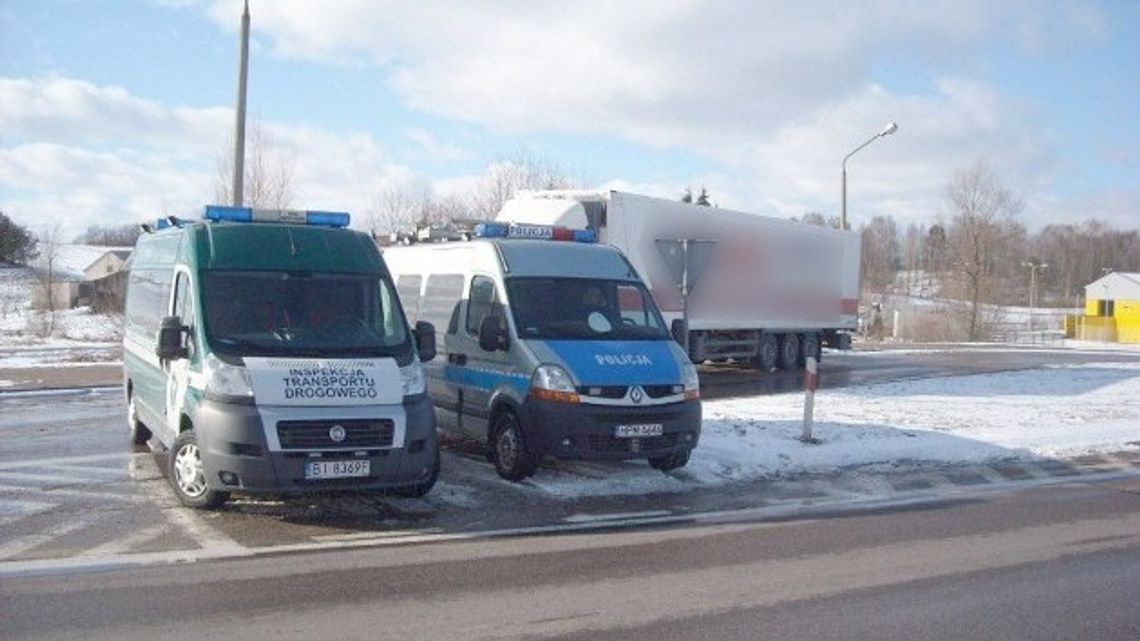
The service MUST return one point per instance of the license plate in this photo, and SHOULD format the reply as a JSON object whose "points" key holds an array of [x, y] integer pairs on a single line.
{"points": [[337, 469], [639, 430]]}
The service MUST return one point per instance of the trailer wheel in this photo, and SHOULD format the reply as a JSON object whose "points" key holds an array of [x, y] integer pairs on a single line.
{"points": [[809, 347], [789, 351], [768, 353]]}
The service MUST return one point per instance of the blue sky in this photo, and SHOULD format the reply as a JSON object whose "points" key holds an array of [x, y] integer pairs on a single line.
{"points": [[113, 112]]}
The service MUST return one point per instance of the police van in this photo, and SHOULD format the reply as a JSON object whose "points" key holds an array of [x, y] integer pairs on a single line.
{"points": [[267, 352], [549, 348]]}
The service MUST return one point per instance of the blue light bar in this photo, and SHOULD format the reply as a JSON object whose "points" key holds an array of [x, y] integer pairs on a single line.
{"points": [[533, 232], [219, 213], [161, 223], [492, 230]]}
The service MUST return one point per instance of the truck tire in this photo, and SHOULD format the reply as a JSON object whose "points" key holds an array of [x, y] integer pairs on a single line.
{"points": [[843, 341], [188, 477], [789, 351], [140, 434], [670, 462], [768, 353], [809, 346], [513, 459]]}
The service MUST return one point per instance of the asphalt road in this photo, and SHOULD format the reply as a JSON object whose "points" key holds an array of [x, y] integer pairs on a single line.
{"points": [[1056, 563]]}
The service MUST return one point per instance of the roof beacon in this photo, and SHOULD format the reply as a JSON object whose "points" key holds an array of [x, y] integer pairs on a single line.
{"points": [[219, 213], [533, 232]]}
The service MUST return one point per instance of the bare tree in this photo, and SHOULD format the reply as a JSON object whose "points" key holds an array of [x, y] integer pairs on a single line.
{"points": [[984, 212], [47, 270], [110, 236], [401, 208], [879, 259], [504, 178], [268, 173]]}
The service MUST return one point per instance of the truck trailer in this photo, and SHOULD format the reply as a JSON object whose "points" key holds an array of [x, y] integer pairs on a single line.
{"points": [[772, 292]]}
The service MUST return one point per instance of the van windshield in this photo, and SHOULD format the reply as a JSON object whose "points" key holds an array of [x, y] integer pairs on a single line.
{"points": [[259, 313], [584, 309]]}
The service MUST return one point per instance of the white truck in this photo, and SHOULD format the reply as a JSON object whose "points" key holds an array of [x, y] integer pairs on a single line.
{"points": [[772, 292]]}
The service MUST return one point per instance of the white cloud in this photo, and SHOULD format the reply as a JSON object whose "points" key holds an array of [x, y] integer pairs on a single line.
{"points": [[76, 154], [775, 93], [433, 147]]}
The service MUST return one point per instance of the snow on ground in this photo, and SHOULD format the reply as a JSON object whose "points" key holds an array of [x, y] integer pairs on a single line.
{"points": [[77, 335], [1056, 411]]}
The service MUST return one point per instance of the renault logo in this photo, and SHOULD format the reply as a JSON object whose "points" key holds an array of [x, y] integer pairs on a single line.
{"points": [[636, 394], [337, 433]]}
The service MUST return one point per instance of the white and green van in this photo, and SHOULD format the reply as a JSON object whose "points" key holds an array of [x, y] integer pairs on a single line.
{"points": [[267, 352]]}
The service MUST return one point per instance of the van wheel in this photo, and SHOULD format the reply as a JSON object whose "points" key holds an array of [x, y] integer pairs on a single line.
{"points": [[188, 477], [140, 434], [765, 360], [513, 459], [423, 487], [671, 462], [789, 351]]}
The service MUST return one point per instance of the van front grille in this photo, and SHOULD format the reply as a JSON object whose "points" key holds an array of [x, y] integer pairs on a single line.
{"points": [[299, 435]]}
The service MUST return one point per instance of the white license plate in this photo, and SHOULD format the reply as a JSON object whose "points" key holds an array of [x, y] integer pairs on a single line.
{"points": [[337, 469], [639, 430]]}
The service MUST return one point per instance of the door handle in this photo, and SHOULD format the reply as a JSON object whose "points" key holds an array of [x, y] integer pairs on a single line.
{"points": [[457, 359]]}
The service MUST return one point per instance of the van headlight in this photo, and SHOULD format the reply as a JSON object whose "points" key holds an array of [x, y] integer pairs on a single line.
{"points": [[227, 380], [691, 381], [412, 378], [552, 383]]}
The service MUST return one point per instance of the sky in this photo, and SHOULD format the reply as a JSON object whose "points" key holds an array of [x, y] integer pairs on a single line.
{"points": [[115, 112]]}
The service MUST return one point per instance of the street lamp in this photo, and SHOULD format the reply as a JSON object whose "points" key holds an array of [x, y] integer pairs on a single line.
{"points": [[1034, 266], [888, 130]]}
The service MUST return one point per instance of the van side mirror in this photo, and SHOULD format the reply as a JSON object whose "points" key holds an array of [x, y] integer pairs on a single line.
{"points": [[170, 333], [425, 340], [492, 334], [678, 329]]}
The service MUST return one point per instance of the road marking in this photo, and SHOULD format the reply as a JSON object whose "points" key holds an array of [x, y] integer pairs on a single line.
{"points": [[616, 516], [14, 510], [22, 544], [790, 508], [127, 543], [52, 492], [65, 460]]}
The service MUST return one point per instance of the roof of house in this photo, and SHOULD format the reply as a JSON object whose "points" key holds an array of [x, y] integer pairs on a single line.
{"points": [[71, 260], [1115, 286]]}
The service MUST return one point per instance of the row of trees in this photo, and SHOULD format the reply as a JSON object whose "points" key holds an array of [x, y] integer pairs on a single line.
{"points": [[984, 254]]}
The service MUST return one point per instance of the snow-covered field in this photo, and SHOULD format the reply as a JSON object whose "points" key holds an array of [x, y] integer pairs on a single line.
{"points": [[75, 336], [1058, 411]]}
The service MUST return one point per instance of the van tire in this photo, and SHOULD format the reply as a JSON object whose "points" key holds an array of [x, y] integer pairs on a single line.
{"points": [[188, 477], [670, 462], [419, 490], [513, 459], [140, 434], [789, 351]]}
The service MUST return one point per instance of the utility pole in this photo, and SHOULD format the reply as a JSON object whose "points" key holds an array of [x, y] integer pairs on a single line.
{"points": [[239, 125]]}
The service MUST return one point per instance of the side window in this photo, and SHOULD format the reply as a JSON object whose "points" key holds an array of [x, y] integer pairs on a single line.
{"points": [[441, 299], [408, 288], [480, 303], [184, 306]]}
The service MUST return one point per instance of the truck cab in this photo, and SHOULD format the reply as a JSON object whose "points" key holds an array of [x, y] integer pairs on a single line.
{"points": [[549, 349]]}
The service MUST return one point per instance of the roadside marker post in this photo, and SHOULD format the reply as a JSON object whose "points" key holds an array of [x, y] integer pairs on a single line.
{"points": [[811, 383]]}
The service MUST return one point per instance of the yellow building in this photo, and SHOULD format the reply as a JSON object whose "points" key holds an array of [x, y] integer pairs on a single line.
{"points": [[1112, 309]]}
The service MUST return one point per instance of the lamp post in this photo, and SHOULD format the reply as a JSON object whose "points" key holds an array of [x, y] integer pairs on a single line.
{"points": [[239, 122], [1034, 266], [888, 130]]}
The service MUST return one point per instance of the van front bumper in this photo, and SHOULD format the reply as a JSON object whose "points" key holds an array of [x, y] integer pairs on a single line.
{"points": [[237, 457], [587, 432]]}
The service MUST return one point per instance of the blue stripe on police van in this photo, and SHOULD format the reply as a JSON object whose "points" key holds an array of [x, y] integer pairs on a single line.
{"points": [[618, 362], [485, 379]]}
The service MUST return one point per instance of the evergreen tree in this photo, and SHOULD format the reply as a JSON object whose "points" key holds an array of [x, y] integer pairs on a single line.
{"points": [[703, 198], [687, 196], [17, 246]]}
